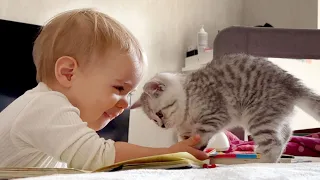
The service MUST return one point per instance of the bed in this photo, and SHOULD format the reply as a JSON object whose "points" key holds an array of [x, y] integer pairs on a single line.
{"points": [[240, 172], [266, 42]]}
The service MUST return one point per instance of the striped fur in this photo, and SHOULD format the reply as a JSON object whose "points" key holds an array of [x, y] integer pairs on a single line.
{"points": [[234, 90]]}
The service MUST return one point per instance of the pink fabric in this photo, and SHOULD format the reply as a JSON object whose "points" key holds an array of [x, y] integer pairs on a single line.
{"points": [[298, 145]]}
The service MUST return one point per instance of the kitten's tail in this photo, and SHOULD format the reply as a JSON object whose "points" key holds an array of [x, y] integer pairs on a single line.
{"points": [[310, 103]]}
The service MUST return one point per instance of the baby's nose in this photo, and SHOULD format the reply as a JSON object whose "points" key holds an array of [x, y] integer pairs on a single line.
{"points": [[123, 103]]}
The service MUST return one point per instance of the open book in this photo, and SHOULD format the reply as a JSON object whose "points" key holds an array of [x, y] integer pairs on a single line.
{"points": [[180, 160]]}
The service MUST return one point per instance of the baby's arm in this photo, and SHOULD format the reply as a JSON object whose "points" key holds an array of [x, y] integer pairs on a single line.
{"points": [[51, 125], [125, 151]]}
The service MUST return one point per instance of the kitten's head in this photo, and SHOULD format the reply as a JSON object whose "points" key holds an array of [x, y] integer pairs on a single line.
{"points": [[162, 98]]}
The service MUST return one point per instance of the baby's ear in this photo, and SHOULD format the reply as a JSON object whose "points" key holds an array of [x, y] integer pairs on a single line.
{"points": [[154, 88], [135, 105]]}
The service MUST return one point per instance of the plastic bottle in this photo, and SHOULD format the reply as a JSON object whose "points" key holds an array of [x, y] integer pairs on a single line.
{"points": [[202, 40]]}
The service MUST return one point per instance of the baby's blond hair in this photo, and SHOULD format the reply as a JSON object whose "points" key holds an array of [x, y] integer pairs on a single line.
{"points": [[80, 33]]}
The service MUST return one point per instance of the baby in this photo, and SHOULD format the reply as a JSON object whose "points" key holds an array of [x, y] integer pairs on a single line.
{"points": [[87, 64]]}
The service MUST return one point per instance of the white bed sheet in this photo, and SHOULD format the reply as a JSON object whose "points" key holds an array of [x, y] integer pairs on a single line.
{"points": [[293, 171]]}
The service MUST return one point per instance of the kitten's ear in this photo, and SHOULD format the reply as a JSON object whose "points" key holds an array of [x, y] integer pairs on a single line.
{"points": [[136, 105], [154, 88]]}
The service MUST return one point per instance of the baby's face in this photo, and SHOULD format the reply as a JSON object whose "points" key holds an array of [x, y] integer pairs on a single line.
{"points": [[101, 94]]}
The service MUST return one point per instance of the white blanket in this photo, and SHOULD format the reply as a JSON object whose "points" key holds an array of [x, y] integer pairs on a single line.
{"points": [[296, 171]]}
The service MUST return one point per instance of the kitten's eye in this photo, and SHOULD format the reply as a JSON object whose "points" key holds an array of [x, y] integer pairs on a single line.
{"points": [[186, 137], [119, 88], [159, 114]]}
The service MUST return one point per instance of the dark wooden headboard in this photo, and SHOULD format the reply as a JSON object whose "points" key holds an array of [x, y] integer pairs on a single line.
{"points": [[267, 42]]}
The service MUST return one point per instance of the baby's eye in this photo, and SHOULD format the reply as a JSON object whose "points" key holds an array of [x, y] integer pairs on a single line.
{"points": [[119, 88], [159, 114]]}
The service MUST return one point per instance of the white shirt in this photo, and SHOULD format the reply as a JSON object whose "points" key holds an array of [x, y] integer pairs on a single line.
{"points": [[42, 129]]}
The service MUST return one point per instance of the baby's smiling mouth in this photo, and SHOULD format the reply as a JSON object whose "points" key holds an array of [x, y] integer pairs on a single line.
{"points": [[106, 115], [110, 116]]}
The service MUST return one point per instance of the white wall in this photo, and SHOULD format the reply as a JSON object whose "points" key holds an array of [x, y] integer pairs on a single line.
{"points": [[164, 27], [281, 13], [174, 27], [318, 14], [308, 72]]}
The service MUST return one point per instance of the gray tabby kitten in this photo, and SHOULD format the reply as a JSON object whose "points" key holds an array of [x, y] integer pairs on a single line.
{"points": [[234, 90]]}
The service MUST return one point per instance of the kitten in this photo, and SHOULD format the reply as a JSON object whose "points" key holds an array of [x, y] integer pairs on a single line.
{"points": [[233, 90]]}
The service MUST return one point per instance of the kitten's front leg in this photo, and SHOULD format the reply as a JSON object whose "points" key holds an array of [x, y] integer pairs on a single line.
{"points": [[207, 128]]}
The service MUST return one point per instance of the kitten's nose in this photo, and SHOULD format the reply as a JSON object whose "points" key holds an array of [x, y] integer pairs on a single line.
{"points": [[163, 126]]}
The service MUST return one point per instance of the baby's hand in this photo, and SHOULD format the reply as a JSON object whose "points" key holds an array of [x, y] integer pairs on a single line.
{"points": [[188, 145]]}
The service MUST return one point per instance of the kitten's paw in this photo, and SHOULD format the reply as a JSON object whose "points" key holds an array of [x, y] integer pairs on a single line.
{"points": [[266, 159], [257, 150], [270, 156]]}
